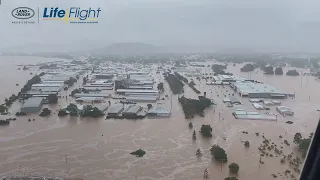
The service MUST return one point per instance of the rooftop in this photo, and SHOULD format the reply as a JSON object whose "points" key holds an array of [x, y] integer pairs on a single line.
{"points": [[115, 108], [251, 87], [33, 102], [136, 91], [134, 109]]}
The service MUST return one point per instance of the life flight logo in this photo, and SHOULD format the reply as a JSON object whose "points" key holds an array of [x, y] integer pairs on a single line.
{"points": [[72, 15]]}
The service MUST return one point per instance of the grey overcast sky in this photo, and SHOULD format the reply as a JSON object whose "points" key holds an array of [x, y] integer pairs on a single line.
{"points": [[262, 25]]}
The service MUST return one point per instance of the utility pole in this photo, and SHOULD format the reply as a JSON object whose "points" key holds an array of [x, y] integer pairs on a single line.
{"points": [[259, 162], [66, 158], [301, 79]]}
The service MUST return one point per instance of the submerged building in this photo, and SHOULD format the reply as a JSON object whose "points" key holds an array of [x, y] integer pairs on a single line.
{"points": [[32, 105], [257, 90]]}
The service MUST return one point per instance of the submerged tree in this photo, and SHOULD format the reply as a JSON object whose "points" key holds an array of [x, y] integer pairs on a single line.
{"points": [[190, 125], [206, 130], [234, 168], [194, 137], [205, 174], [219, 154], [198, 153], [160, 87], [247, 144], [297, 137]]}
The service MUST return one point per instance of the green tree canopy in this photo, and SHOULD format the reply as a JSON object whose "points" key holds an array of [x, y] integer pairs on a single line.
{"points": [[234, 168], [206, 130], [219, 154], [53, 98]]}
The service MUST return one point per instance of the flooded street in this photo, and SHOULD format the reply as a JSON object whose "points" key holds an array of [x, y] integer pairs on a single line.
{"points": [[99, 149]]}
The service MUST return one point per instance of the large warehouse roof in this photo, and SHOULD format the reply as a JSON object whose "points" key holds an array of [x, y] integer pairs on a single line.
{"points": [[250, 87], [33, 102], [136, 91]]}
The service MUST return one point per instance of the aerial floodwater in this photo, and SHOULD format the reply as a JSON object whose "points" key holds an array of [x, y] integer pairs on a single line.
{"points": [[99, 148]]}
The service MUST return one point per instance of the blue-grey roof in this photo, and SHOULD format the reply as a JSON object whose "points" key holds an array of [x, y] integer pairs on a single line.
{"points": [[33, 102], [250, 87], [132, 109]]}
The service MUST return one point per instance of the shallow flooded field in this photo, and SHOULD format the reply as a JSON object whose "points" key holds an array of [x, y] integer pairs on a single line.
{"points": [[98, 149]]}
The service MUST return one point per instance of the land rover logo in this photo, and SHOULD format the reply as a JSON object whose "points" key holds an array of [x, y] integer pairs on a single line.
{"points": [[23, 13]]}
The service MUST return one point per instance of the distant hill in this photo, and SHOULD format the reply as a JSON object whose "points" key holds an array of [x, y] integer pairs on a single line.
{"points": [[128, 49]]}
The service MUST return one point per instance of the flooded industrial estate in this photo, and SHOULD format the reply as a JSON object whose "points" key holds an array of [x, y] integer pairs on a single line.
{"points": [[99, 148]]}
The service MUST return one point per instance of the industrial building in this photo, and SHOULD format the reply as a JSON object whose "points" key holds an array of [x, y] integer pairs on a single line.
{"points": [[285, 111], [78, 95], [132, 110], [249, 115], [257, 90], [142, 98], [258, 106], [124, 91], [114, 110], [39, 86], [103, 76], [159, 112], [32, 105], [90, 99], [226, 79]]}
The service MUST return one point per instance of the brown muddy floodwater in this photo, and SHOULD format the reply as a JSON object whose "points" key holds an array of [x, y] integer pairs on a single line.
{"points": [[98, 149]]}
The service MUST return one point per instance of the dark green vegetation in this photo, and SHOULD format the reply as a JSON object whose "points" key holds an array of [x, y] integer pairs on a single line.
{"points": [[206, 130], [3, 108], [198, 153], [139, 153], [149, 106], [10, 101], [191, 85], [53, 98], [278, 71], [70, 81], [4, 122], [292, 73], [247, 68], [247, 144], [21, 114], [234, 168], [268, 70], [194, 136], [62, 112], [192, 107], [303, 143], [190, 125], [219, 69], [160, 87], [45, 112], [175, 84], [89, 111], [34, 80], [231, 178], [262, 60], [219, 154], [181, 78], [72, 109]]}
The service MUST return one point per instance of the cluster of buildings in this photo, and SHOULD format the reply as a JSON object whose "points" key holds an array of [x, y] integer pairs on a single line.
{"points": [[137, 111]]}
